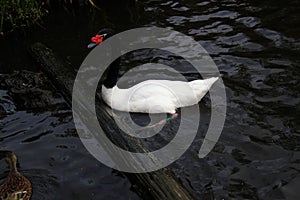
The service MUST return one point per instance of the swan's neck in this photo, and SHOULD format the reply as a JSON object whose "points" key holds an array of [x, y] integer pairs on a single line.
{"points": [[112, 74]]}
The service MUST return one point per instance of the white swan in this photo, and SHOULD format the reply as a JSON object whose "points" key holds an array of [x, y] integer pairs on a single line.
{"points": [[157, 96], [151, 96]]}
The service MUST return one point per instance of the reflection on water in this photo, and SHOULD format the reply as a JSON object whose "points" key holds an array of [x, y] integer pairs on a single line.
{"points": [[52, 157], [258, 153], [256, 46]]}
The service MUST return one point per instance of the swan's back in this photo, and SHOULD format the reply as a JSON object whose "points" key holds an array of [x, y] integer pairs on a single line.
{"points": [[157, 96]]}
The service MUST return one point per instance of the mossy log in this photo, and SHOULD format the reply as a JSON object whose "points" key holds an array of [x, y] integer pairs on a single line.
{"points": [[161, 184]]}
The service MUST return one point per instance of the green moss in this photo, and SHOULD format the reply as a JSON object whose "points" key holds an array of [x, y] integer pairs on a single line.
{"points": [[19, 14]]}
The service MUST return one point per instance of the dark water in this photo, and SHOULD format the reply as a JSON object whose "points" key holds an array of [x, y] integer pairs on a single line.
{"points": [[256, 46]]}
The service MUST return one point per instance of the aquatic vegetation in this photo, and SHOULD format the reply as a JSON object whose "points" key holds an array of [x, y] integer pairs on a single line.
{"points": [[19, 14]]}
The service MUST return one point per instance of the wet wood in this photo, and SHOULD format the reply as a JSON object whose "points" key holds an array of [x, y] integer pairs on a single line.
{"points": [[161, 184]]}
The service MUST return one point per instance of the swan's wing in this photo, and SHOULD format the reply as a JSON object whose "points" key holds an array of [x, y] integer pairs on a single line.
{"points": [[178, 93], [151, 98]]}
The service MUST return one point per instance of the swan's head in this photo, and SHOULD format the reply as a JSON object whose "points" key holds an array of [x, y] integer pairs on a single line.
{"points": [[100, 37]]}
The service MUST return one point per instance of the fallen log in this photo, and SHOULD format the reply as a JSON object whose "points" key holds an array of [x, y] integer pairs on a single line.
{"points": [[161, 184]]}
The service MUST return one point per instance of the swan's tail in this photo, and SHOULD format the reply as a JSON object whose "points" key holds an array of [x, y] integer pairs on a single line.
{"points": [[210, 81], [201, 87]]}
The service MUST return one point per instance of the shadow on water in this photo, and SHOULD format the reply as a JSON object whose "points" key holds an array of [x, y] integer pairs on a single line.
{"points": [[50, 153], [255, 45]]}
